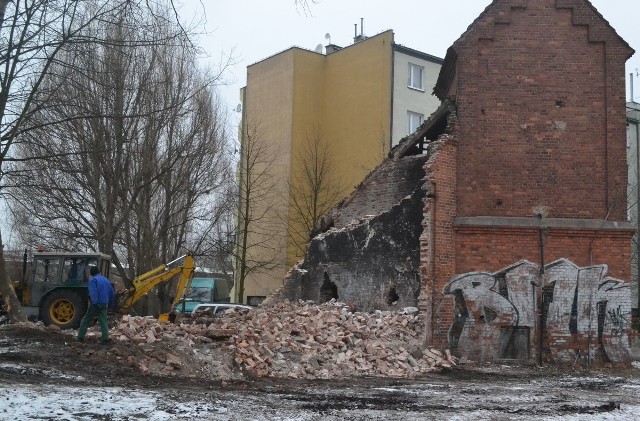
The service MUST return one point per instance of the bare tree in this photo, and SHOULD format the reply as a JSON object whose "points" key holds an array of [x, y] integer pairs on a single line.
{"points": [[258, 219], [137, 176], [305, 5], [34, 34], [313, 189]]}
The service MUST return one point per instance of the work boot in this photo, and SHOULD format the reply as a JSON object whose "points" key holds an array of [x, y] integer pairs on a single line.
{"points": [[105, 342]]}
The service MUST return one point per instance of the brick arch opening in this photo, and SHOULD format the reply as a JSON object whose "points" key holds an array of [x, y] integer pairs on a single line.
{"points": [[328, 290], [392, 296]]}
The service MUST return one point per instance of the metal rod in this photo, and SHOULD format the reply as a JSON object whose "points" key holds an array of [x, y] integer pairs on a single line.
{"points": [[173, 261]]}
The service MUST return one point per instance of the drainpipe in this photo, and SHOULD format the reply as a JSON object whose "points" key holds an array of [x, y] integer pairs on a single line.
{"points": [[637, 212], [542, 229], [541, 310]]}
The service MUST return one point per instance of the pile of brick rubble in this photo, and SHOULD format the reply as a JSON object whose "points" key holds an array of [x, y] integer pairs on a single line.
{"points": [[299, 340]]}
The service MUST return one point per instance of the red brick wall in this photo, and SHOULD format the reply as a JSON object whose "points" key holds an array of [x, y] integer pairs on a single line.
{"points": [[489, 249], [540, 95], [541, 113], [437, 243]]}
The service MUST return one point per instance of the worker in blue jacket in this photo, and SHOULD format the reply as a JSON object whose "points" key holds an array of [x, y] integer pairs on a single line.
{"points": [[101, 297]]}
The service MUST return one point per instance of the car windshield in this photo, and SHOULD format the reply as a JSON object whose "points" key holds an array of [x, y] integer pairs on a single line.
{"points": [[199, 294]]}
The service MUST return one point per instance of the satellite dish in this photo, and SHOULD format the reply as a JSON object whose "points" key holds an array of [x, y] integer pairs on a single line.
{"points": [[319, 48], [327, 36]]}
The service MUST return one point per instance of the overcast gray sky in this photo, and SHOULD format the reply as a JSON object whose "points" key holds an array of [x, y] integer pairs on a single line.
{"points": [[256, 29]]}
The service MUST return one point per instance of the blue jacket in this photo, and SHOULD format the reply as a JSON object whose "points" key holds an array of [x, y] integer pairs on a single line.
{"points": [[100, 290]]}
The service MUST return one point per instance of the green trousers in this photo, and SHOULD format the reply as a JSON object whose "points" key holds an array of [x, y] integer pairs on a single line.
{"points": [[101, 311]]}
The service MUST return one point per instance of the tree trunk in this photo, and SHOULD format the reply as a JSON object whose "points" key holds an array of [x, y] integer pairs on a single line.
{"points": [[6, 290]]}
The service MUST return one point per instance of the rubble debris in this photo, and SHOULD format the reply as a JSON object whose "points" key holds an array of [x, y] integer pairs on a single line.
{"points": [[287, 340], [309, 341]]}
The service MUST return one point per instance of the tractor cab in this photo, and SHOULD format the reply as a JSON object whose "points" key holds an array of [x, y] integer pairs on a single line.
{"points": [[54, 288]]}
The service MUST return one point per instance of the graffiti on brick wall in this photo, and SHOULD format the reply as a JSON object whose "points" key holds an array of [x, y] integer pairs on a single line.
{"points": [[585, 313]]}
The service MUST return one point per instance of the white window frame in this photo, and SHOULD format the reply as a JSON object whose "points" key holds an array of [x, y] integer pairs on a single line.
{"points": [[416, 82], [411, 115]]}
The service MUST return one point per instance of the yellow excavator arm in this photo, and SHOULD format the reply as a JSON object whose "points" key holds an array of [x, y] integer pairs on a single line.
{"points": [[163, 273]]}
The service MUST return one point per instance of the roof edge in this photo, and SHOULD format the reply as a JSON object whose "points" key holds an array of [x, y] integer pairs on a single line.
{"points": [[417, 53], [295, 47]]}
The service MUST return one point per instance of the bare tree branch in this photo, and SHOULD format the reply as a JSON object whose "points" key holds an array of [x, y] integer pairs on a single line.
{"points": [[257, 215], [313, 190], [89, 90], [305, 5]]}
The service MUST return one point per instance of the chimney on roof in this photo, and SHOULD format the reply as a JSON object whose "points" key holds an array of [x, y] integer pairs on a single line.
{"points": [[332, 48], [361, 37]]}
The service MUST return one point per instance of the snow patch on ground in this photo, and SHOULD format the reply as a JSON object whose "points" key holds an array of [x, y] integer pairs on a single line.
{"points": [[23, 369], [635, 364], [465, 402], [23, 402], [625, 413]]}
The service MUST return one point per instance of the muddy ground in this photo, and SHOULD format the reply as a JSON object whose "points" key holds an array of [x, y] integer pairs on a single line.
{"points": [[48, 376]]}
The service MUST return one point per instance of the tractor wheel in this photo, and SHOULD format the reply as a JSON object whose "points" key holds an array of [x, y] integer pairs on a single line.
{"points": [[63, 308]]}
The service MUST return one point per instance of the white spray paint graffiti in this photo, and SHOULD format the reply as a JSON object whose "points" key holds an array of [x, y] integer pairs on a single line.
{"points": [[584, 313]]}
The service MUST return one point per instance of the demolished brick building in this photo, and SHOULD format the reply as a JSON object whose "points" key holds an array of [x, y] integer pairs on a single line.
{"points": [[501, 216]]}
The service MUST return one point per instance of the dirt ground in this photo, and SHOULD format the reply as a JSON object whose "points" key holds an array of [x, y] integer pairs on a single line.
{"points": [[46, 375]]}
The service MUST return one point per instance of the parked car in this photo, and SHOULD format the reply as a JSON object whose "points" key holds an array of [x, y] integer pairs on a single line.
{"points": [[202, 291], [216, 308]]}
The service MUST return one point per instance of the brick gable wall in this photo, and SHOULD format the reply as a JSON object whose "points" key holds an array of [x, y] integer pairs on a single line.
{"points": [[541, 115], [539, 89]]}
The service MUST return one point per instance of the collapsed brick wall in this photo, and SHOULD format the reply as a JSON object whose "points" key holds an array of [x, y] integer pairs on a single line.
{"points": [[373, 262], [384, 187], [527, 136]]}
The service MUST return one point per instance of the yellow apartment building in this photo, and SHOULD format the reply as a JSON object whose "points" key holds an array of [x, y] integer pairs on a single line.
{"points": [[317, 122]]}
